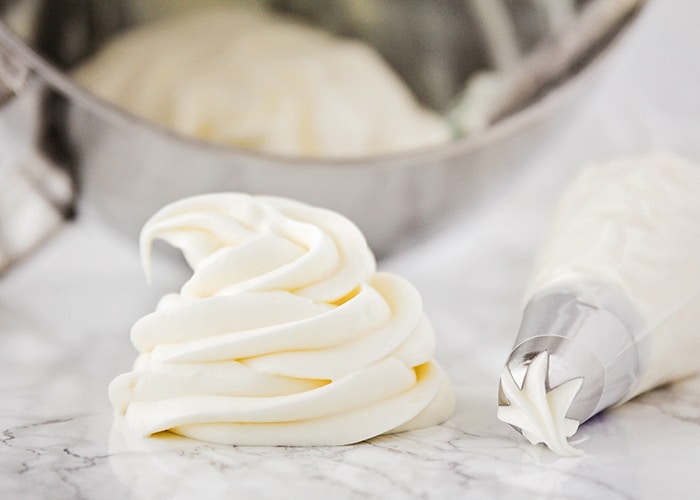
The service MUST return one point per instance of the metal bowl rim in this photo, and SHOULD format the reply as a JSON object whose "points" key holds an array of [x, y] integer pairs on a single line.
{"points": [[455, 148]]}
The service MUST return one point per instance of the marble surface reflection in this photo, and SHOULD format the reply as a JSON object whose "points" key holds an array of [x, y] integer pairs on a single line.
{"points": [[65, 315]]}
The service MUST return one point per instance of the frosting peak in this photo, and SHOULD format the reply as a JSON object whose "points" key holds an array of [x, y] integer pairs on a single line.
{"points": [[235, 242]]}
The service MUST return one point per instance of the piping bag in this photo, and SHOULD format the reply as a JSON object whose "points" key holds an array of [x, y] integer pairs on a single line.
{"points": [[613, 309]]}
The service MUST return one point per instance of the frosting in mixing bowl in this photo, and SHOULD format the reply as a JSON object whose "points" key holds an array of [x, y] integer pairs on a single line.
{"points": [[259, 81], [284, 334]]}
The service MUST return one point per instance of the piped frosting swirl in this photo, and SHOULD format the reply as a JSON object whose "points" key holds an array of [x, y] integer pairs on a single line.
{"points": [[284, 335]]}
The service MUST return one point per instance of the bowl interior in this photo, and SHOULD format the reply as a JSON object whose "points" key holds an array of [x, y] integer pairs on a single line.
{"points": [[435, 45]]}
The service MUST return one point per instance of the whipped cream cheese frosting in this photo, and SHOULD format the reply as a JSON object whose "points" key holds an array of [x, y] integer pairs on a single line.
{"points": [[539, 413], [285, 334], [249, 78], [624, 253]]}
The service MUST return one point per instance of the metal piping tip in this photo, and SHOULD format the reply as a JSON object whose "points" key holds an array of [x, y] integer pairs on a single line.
{"points": [[566, 360], [574, 356]]}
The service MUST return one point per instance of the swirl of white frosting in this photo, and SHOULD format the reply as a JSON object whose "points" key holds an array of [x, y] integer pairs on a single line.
{"points": [[284, 334]]}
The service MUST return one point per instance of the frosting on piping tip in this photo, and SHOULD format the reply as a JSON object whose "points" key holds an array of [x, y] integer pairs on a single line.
{"points": [[537, 411]]}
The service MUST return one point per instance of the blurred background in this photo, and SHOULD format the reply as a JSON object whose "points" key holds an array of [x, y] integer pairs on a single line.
{"points": [[393, 113]]}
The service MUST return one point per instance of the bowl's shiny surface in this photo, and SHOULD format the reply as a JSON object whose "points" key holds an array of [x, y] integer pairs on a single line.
{"points": [[129, 168]]}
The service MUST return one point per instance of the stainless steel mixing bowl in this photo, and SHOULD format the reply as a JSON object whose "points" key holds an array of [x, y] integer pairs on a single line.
{"points": [[128, 168]]}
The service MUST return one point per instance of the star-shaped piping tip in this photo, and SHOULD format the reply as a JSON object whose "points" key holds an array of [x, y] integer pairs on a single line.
{"points": [[539, 414]]}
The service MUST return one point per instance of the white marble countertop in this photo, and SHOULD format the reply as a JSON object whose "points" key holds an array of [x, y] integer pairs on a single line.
{"points": [[65, 315]]}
